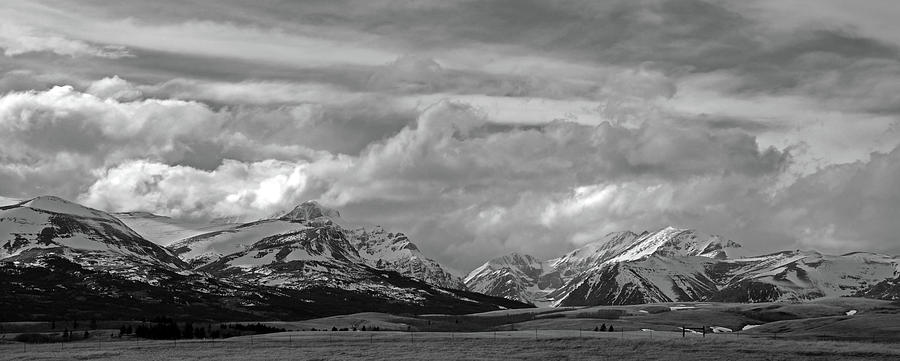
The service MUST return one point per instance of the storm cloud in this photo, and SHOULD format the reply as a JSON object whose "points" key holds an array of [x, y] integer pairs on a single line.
{"points": [[478, 127]]}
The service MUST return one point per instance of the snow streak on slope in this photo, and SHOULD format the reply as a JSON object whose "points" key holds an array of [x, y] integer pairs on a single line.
{"points": [[209, 247], [164, 230]]}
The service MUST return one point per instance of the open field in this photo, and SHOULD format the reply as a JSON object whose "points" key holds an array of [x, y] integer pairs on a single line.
{"points": [[824, 319], [826, 329], [503, 345]]}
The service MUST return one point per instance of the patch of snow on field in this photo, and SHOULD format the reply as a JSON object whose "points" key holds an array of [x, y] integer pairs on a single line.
{"points": [[719, 329], [851, 312], [747, 327], [679, 308]]}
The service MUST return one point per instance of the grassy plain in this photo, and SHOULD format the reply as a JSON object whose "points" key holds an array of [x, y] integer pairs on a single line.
{"points": [[436, 346], [827, 329]]}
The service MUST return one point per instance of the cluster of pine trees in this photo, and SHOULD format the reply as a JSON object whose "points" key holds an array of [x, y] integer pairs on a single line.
{"points": [[603, 328]]}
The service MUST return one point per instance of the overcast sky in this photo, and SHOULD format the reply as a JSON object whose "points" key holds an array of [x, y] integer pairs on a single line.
{"points": [[477, 127]]}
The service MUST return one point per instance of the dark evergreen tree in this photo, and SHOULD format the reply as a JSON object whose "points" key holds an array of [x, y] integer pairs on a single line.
{"points": [[596, 329], [603, 327], [611, 329], [188, 332]]}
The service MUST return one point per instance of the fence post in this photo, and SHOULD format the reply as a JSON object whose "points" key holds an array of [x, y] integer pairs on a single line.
{"points": [[682, 331]]}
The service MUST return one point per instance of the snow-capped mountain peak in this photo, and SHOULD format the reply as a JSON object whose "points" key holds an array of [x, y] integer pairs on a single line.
{"points": [[311, 211]]}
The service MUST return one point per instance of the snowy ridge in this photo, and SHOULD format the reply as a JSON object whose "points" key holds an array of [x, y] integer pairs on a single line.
{"points": [[395, 252], [206, 248], [88, 236]]}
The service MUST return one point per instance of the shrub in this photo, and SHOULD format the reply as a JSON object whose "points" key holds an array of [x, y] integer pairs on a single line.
{"points": [[33, 338]]}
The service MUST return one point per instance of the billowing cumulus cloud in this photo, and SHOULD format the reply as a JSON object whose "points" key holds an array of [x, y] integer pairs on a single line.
{"points": [[478, 127]]}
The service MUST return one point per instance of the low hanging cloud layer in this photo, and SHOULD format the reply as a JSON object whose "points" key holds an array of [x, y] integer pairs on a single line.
{"points": [[479, 128]]}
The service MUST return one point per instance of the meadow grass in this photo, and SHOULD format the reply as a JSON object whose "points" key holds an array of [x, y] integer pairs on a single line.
{"points": [[436, 346]]}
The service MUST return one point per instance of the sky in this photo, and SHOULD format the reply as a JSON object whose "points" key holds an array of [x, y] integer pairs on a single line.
{"points": [[478, 128]]}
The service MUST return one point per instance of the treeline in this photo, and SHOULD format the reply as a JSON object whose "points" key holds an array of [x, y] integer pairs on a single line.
{"points": [[169, 329], [363, 328], [65, 336]]}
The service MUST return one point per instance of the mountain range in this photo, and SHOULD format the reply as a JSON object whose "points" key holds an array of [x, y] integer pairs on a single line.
{"points": [[61, 259], [671, 265]]}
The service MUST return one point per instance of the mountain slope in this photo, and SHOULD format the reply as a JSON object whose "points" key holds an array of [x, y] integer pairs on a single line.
{"points": [[515, 276], [164, 230], [801, 275], [394, 251], [87, 236]]}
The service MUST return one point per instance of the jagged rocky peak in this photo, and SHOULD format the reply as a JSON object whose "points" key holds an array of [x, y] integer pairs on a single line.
{"points": [[363, 237], [516, 259], [311, 211]]}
